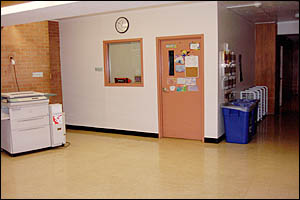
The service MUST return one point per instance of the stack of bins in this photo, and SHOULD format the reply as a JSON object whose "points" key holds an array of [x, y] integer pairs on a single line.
{"points": [[253, 94], [261, 103], [239, 120], [260, 93], [264, 99]]}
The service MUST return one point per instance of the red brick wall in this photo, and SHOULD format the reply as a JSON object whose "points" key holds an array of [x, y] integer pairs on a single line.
{"points": [[54, 52], [35, 48]]}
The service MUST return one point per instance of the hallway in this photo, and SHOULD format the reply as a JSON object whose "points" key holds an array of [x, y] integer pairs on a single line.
{"points": [[102, 165]]}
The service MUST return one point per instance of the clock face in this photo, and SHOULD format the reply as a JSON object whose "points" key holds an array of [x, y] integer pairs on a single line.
{"points": [[122, 25]]}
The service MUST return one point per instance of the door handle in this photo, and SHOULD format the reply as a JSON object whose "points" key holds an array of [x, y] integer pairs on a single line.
{"points": [[164, 89]]}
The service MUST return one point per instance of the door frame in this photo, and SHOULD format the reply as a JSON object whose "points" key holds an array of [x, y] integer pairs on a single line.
{"points": [[159, 78]]}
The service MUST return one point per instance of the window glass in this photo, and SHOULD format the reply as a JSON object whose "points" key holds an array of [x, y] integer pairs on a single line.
{"points": [[123, 60]]}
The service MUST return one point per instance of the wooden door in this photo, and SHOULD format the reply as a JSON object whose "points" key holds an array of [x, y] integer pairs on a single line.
{"points": [[181, 86], [265, 60]]}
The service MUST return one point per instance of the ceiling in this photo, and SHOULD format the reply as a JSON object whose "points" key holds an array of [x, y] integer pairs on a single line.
{"points": [[71, 9], [269, 11]]}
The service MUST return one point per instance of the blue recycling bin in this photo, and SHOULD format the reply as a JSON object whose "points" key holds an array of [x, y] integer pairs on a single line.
{"points": [[239, 121], [247, 103]]}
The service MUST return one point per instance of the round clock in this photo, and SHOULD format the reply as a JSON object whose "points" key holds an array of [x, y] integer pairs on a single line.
{"points": [[122, 24]]}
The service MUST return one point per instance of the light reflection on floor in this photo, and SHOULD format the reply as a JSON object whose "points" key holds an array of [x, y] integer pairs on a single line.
{"points": [[103, 165]]}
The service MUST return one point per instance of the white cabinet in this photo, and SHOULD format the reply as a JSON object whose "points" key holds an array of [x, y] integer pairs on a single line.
{"points": [[27, 127], [57, 125], [30, 139]]}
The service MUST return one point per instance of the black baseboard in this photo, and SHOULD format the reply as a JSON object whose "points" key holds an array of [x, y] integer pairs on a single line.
{"points": [[214, 140], [115, 131]]}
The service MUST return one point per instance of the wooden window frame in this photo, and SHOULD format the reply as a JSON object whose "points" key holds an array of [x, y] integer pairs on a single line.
{"points": [[106, 63]]}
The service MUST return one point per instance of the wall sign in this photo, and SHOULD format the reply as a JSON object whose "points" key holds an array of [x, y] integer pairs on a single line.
{"points": [[171, 46], [37, 74]]}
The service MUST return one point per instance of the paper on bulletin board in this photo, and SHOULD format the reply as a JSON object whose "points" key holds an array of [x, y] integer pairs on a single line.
{"points": [[172, 88], [179, 59], [171, 81], [195, 46], [181, 81], [191, 61], [190, 81], [179, 68], [193, 88], [192, 72], [181, 88]]}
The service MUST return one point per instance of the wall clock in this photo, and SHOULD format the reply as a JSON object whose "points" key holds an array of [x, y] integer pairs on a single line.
{"points": [[122, 24]]}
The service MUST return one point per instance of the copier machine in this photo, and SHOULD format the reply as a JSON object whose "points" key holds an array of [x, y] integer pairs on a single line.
{"points": [[25, 125]]}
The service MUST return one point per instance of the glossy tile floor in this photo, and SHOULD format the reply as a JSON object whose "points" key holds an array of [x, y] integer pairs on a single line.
{"points": [[102, 165]]}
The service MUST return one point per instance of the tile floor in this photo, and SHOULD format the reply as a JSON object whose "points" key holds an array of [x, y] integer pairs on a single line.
{"points": [[103, 165]]}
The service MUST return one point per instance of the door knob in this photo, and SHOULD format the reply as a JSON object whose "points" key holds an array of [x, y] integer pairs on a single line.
{"points": [[165, 89]]}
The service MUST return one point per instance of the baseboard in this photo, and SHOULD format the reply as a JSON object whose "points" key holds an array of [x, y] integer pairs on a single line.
{"points": [[115, 131], [214, 140]]}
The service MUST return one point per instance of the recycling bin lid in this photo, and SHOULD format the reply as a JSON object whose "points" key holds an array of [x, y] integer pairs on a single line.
{"points": [[245, 107]]}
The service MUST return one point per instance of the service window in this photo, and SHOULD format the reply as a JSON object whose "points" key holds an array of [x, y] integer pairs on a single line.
{"points": [[123, 62]]}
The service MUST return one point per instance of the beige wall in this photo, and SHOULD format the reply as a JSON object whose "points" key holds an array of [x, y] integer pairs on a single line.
{"points": [[88, 103], [240, 35]]}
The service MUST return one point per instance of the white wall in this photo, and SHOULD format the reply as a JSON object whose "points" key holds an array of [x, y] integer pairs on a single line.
{"points": [[88, 103], [240, 35], [289, 27]]}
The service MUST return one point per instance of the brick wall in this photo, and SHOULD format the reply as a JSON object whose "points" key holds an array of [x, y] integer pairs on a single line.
{"points": [[54, 52], [35, 48]]}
